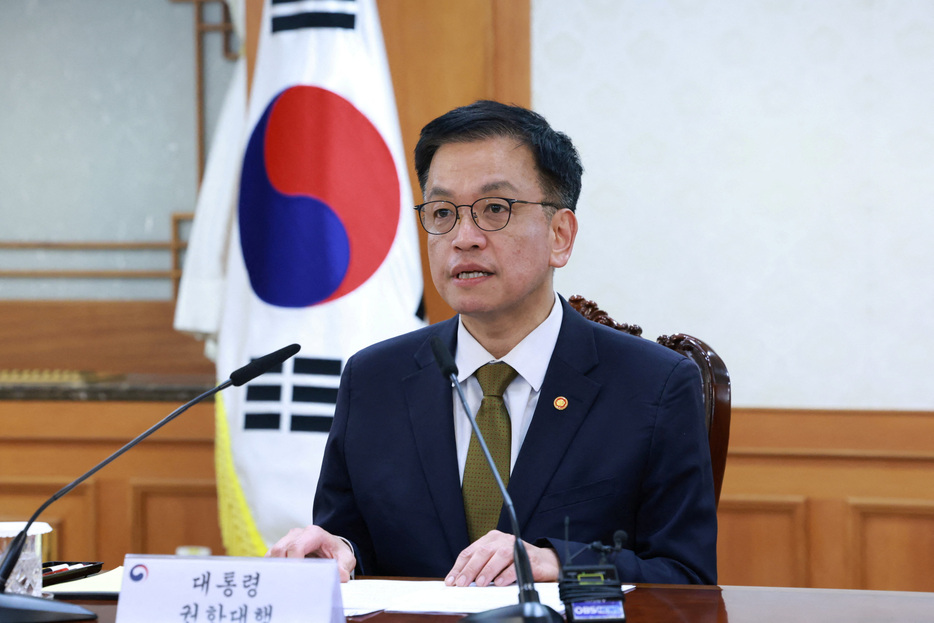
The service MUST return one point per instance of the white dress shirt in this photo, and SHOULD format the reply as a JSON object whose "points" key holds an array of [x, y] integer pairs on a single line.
{"points": [[529, 358]]}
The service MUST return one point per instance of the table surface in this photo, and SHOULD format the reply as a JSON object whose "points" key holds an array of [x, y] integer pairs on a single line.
{"points": [[709, 604]]}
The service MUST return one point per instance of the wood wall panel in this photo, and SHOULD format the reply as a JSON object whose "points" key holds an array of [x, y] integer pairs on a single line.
{"points": [[98, 336], [73, 519], [94, 423], [192, 507], [833, 433], [771, 528], [46, 445], [868, 477], [893, 544]]}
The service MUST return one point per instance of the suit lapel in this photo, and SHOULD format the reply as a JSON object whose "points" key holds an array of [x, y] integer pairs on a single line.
{"points": [[552, 428], [430, 404]]}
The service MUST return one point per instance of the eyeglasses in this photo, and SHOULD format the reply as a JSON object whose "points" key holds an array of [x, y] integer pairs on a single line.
{"points": [[489, 213]]}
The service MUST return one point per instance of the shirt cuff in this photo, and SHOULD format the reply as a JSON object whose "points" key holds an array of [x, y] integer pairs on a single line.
{"points": [[350, 545]]}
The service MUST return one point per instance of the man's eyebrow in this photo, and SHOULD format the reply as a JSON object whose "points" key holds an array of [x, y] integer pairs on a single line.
{"points": [[489, 187], [496, 186], [437, 191]]}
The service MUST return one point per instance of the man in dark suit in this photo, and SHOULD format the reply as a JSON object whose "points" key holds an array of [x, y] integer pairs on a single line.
{"points": [[596, 426]]}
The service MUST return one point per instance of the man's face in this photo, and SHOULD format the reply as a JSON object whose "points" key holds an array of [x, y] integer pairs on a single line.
{"points": [[505, 274]]}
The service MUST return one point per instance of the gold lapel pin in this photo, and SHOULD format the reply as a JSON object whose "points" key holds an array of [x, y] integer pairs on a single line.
{"points": [[561, 403]]}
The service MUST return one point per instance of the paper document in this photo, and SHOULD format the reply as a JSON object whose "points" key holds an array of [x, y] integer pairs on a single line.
{"points": [[363, 596]]}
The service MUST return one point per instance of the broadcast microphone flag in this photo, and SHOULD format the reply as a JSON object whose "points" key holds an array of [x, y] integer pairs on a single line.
{"points": [[323, 251]]}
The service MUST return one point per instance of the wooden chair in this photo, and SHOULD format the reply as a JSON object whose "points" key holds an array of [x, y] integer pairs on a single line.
{"points": [[714, 377]]}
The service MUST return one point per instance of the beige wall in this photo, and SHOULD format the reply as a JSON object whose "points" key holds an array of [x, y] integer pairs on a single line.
{"points": [[758, 174]]}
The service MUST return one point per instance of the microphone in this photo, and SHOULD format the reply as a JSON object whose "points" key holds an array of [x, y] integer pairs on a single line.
{"points": [[529, 609], [29, 609], [264, 364]]}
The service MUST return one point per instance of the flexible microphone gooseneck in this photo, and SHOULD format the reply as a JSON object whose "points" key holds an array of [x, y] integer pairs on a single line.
{"points": [[29, 609], [529, 609]]}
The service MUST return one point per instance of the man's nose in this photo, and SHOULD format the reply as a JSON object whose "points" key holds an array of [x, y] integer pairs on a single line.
{"points": [[466, 232]]}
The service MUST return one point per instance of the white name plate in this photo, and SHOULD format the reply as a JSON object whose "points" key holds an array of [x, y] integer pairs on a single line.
{"points": [[222, 589]]}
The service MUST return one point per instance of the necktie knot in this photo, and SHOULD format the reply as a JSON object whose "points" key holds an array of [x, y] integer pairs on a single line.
{"points": [[494, 378]]}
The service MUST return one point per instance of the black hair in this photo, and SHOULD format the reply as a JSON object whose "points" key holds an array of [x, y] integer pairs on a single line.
{"points": [[556, 158]]}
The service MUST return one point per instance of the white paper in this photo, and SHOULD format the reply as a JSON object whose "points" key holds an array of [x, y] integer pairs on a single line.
{"points": [[362, 596]]}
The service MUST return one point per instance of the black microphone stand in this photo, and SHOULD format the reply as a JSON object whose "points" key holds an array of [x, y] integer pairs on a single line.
{"points": [[529, 609]]}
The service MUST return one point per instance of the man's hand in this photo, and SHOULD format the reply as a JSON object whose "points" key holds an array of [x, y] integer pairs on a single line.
{"points": [[315, 542], [489, 559]]}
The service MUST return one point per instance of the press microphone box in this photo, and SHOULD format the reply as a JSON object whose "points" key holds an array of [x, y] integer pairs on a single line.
{"points": [[591, 593]]}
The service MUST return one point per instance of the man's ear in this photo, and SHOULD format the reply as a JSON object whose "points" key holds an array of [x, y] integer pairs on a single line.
{"points": [[563, 233]]}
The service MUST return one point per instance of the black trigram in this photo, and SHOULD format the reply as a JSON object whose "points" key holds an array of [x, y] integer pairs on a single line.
{"points": [[298, 14], [302, 392]]}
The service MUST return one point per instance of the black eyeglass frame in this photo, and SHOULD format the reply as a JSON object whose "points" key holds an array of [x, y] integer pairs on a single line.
{"points": [[457, 214]]}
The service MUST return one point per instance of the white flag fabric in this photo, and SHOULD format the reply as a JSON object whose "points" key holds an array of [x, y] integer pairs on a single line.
{"points": [[201, 289], [323, 252]]}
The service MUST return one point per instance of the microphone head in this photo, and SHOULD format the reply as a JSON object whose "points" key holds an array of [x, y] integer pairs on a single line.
{"points": [[443, 357], [264, 364]]}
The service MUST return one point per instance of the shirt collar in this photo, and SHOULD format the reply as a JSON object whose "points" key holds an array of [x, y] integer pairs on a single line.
{"points": [[529, 358]]}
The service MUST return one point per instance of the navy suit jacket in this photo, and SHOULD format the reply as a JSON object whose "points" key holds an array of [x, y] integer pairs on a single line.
{"points": [[628, 453]]}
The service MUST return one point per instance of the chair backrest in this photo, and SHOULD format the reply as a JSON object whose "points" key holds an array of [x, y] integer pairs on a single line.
{"points": [[715, 379]]}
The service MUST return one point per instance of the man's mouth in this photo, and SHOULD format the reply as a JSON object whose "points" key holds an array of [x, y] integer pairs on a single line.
{"points": [[472, 274]]}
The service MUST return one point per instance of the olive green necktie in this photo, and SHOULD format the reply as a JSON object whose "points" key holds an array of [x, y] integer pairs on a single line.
{"points": [[482, 498]]}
